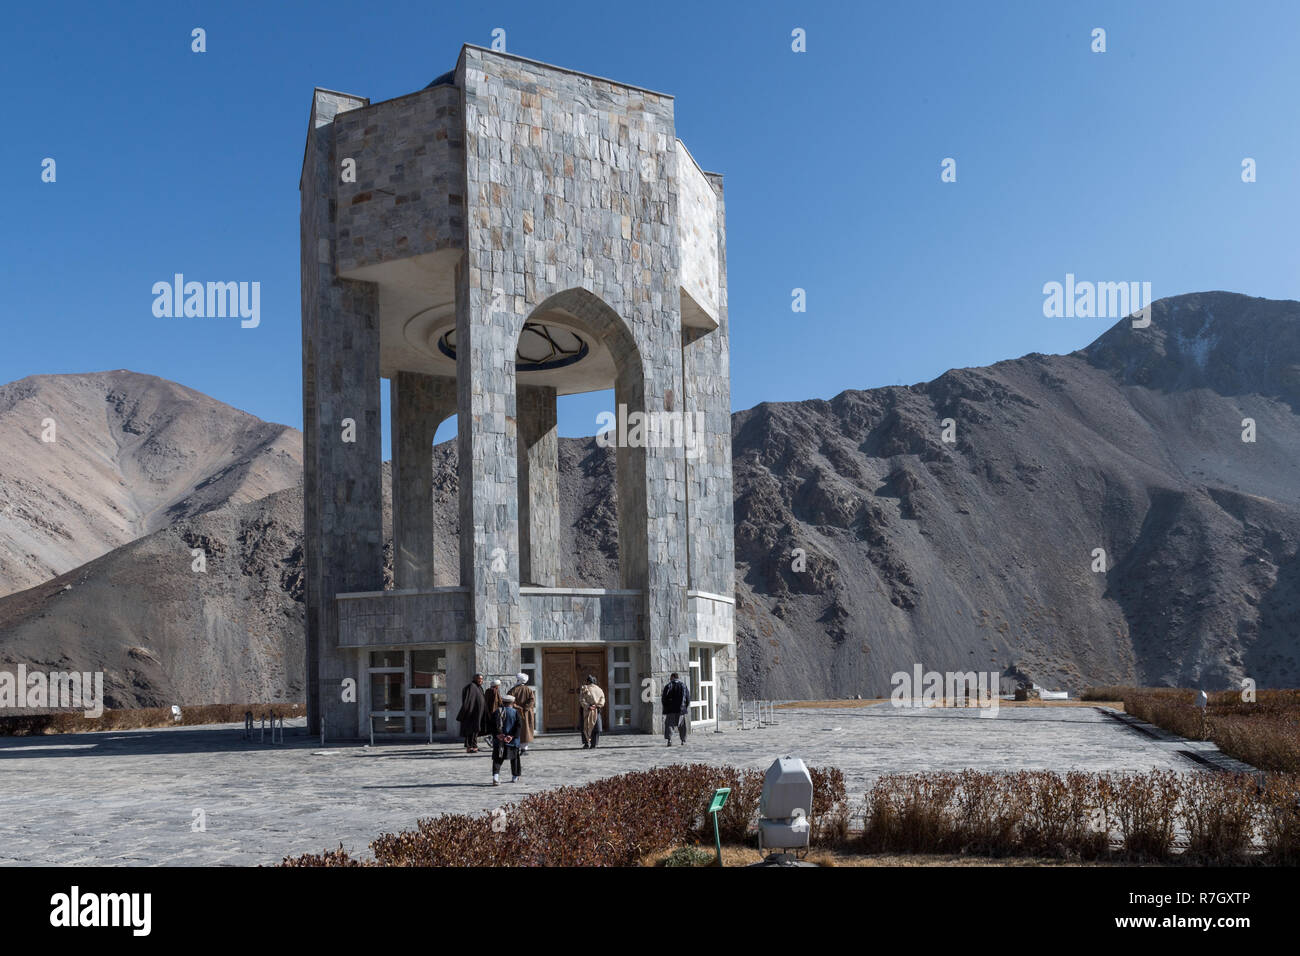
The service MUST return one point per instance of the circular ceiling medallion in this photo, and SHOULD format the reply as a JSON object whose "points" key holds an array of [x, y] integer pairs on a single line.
{"points": [[541, 347]]}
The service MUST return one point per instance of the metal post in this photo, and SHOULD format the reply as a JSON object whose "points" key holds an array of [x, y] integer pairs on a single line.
{"points": [[262, 738], [372, 730]]}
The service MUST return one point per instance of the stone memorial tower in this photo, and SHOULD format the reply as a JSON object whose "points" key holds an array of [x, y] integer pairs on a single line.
{"points": [[511, 233]]}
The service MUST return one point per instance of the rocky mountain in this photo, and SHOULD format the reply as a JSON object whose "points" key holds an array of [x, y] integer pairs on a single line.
{"points": [[1091, 518], [165, 633], [979, 552], [92, 462]]}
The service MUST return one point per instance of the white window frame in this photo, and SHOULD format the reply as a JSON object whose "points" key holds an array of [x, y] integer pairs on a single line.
{"points": [[703, 692], [433, 696], [614, 685]]}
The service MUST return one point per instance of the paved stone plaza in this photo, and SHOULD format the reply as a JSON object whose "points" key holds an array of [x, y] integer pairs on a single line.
{"points": [[129, 797]]}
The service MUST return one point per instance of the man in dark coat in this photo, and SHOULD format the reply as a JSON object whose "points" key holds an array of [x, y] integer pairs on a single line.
{"points": [[492, 696], [472, 706], [677, 709]]}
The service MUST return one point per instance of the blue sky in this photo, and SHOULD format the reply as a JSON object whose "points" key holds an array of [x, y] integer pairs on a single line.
{"points": [[1115, 166]]}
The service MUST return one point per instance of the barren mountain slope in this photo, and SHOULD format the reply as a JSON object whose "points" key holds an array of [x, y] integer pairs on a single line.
{"points": [[131, 454], [164, 633], [978, 553]]}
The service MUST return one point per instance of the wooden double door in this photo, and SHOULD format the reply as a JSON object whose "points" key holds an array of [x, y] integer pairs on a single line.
{"points": [[564, 671]]}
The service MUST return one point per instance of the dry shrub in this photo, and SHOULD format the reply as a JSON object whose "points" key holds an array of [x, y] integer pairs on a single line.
{"points": [[740, 814], [1218, 810], [910, 813], [987, 818], [1279, 818], [1144, 807], [830, 809], [1064, 817]]}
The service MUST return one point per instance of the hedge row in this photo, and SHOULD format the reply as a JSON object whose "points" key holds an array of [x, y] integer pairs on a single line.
{"points": [[610, 822], [1223, 818]]}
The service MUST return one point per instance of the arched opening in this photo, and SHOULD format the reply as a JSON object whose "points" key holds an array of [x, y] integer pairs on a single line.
{"points": [[571, 344], [421, 483]]}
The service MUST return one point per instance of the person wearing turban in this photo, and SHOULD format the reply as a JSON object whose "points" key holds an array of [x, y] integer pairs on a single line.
{"points": [[526, 702], [492, 702], [590, 699]]}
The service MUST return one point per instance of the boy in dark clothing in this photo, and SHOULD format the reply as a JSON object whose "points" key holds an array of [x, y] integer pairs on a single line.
{"points": [[505, 743]]}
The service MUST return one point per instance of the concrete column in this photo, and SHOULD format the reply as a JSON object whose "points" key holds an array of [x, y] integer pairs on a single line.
{"points": [[342, 444], [418, 405], [656, 521], [489, 495], [539, 493]]}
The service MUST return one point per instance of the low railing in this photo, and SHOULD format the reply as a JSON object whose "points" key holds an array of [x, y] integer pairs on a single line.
{"points": [[249, 728], [388, 714], [757, 713]]}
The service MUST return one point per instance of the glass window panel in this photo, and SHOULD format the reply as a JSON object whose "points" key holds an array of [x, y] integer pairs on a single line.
{"points": [[622, 718], [386, 691], [621, 654], [388, 658], [429, 668], [622, 697], [417, 726], [528, 655]]}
